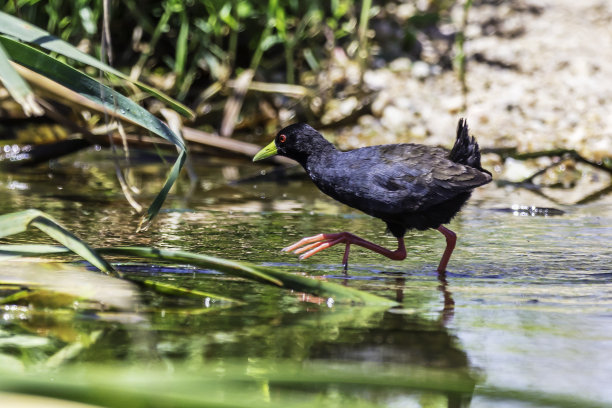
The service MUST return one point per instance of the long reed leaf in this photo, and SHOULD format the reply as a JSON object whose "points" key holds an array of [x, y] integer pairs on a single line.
{"points": [[164, 288], [17, 222], [26, 32], [174, 290], [239, 384], [294, 384], [18, 88], [267, 275]]}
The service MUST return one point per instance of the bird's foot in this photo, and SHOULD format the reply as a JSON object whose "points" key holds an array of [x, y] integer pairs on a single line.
{"points": [[311, 245]]}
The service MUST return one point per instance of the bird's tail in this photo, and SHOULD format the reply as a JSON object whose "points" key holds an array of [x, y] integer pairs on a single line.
{"points": [[465, 151]]}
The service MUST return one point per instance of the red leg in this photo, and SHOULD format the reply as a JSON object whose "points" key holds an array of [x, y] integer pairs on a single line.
{"points": [[311, 245], [451, 239], [347, 249]]}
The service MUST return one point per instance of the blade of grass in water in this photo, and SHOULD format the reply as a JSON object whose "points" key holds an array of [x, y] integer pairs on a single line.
{"points": [[12, 251], [239, 385], [258, 273], [17, 222], [173, 290], [267, 275]]}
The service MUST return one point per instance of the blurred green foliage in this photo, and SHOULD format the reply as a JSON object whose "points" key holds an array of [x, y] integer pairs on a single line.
{"points": [[200, 39], [197, 51], [212, 40]]}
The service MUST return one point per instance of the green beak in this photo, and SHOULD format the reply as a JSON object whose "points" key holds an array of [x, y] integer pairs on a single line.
{"points": [[269, 150]]}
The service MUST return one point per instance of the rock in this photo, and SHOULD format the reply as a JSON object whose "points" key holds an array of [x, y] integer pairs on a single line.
{"points": [[378, 79], [420, 70], [393, 118], [381, 101], [454, 104], [400, 65], [517, 170]]}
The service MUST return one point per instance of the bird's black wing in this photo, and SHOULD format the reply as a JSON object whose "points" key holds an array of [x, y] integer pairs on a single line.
{"points": [[418, 177], [400, 178]]}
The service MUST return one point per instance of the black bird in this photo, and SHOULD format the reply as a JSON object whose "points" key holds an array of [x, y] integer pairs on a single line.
{"points": [[408, 186]]}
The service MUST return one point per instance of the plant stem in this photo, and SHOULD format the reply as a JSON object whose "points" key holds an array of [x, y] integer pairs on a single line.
{"points": [[364, 18], [460, 60]]}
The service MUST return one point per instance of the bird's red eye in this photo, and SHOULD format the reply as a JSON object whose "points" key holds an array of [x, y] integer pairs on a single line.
{"points": [[282, 138]]}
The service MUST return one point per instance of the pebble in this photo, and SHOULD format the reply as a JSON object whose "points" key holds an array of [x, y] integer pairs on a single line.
{"points": [[517, 170], [378, 79], [400, 65], [420, 70], [393, 118]]}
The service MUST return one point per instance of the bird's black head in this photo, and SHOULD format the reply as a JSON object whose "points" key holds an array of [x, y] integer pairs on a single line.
{"points": [[296, 142]]}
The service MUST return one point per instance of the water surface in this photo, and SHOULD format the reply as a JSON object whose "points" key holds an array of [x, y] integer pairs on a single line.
{"points": [[526, 304]]}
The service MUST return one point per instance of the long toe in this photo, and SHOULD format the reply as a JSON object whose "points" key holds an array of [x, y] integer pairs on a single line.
{"points": [[320, 246], [307, 247], [304, 241], [314, 239]]}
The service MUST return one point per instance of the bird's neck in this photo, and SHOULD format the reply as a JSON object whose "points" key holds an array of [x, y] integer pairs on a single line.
{"points": [[316, 152]]}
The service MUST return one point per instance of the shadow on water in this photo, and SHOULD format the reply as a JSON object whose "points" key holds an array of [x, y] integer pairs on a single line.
{"points": [[525, 305]]}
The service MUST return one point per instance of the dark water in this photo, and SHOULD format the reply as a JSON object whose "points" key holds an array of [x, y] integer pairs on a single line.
{"points": [[526, 304]]}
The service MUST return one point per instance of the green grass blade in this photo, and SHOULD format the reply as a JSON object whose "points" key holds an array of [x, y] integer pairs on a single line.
{"points": [[153, 210], [26, 32], [104, 96], [174, 290], [239, 384], [234, 268], [180, 60], [18, 250], [250, 271], [54, 230], [295, 385], [31, 249], [206, 394], [18, 88], [267, 275], [17, 222]]}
